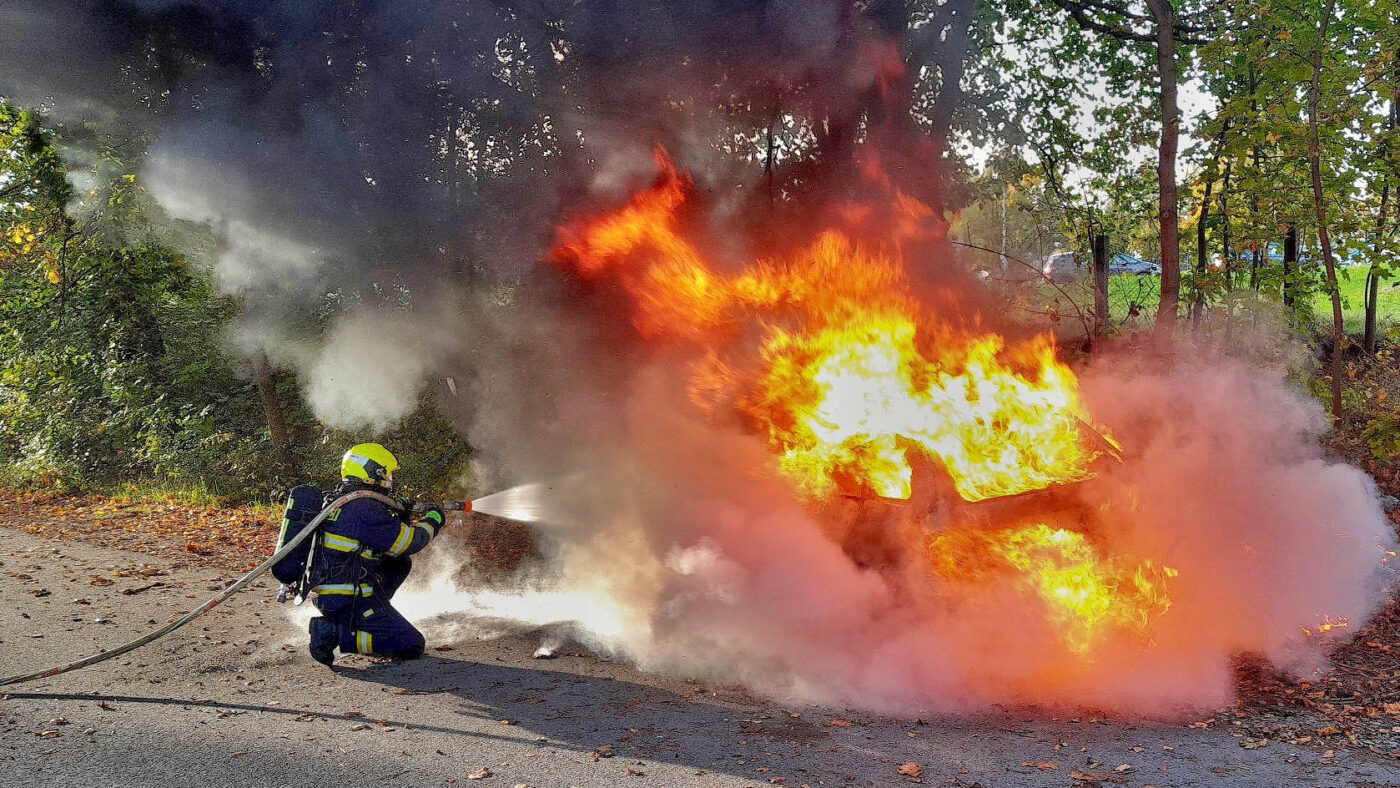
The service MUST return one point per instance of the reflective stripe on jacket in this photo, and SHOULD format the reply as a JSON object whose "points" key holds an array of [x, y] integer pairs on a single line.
{"points": [[353, 542]]}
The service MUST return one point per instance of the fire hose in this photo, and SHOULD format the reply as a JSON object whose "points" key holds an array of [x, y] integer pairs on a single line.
{"points": [[242, 583]]}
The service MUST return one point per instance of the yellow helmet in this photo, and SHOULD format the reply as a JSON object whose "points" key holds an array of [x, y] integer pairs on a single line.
{"points": [[370, 463]]}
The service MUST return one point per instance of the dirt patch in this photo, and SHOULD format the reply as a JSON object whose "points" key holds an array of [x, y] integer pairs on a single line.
{"points": [[232, 538]]}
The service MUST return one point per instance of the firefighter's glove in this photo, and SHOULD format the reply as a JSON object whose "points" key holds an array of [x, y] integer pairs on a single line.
{"points": [[435, 517]]}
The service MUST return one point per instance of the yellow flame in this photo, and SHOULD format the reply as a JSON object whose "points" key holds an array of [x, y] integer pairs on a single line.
{"points": [[1086, 595], [1328, 624], [856, 375]]}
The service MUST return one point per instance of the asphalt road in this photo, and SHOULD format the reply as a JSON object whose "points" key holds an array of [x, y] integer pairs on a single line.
{"points": [[234, 700]]}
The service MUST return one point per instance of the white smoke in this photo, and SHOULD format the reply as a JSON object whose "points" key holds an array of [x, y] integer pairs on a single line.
{"points": [[683, 552], [370, 367]]}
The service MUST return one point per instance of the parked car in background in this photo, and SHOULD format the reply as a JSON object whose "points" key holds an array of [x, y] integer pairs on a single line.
{"points": [[1123, 263], [1062, 267], [1066, 267]]}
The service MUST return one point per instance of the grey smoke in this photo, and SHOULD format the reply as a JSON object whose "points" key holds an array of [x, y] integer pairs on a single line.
{"points": [[419, 145]]}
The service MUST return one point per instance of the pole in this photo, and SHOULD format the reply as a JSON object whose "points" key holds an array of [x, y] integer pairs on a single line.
{"points": [[1100, 284], [1290, 262]]}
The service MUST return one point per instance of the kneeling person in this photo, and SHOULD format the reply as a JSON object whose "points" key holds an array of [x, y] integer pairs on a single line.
{"points": [[361, 559]]}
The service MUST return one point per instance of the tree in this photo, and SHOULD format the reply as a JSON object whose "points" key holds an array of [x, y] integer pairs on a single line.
{"points": [[1320, 205], [1165, 29]]}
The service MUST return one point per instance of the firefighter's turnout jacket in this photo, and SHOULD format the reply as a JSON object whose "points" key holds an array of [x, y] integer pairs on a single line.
{"points": [[360, 560]]}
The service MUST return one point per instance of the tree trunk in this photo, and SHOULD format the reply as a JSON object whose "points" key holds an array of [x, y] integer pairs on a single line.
{"points": [[272, 411], [1225, 240], [1164, 15], [1290, 261], [1005, 197], [1315, 164], [1257, 258], [1373, 276], [1198, 295]]}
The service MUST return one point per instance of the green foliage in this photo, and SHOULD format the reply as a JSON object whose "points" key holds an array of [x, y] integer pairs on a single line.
{"points": [[113, 366], [1382, 435]]}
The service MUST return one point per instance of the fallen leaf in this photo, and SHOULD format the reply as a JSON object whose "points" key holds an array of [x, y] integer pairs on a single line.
{"points": [[839, 724], [443, 647], [635, 772], [236, 754], [479, 774], [1123, 767], [1042, 765], [360, 727], [911, 769]]}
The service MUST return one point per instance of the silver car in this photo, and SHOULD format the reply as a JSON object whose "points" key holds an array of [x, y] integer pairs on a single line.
{"points": [[1062, 267]]}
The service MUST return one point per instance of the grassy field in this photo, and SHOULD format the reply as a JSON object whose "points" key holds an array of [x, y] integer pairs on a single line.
{"points": [[1133, 299], [1352, 285]]}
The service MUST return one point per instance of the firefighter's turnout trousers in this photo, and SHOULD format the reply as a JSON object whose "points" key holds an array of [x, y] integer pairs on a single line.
{"points": [[360, 561]]}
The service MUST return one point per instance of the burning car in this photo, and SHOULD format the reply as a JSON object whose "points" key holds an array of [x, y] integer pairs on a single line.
{"points": [[879, 411]]}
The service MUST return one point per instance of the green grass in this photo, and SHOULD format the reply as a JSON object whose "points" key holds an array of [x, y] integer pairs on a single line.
{"points": [[1128, 293], [1352, 285], [193, 493]]}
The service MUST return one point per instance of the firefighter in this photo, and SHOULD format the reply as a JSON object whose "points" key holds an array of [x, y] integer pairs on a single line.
{"points": [[361, 559]]}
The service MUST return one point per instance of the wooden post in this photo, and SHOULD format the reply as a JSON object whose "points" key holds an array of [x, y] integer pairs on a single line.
{"points": [[1100, 283], [1290, 262]]}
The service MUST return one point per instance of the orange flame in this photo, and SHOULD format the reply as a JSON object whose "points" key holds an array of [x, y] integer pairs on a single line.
{"points": [[854, 375]]}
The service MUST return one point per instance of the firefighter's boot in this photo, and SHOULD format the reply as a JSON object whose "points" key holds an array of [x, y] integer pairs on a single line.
{"points": [[324, 639]]}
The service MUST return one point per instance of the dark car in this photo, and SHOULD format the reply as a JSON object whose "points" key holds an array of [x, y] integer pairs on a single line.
{"points": [[1127, 264]]}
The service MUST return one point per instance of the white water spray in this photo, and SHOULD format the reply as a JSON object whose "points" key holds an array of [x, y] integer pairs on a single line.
{"points": [[531, 503]]}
